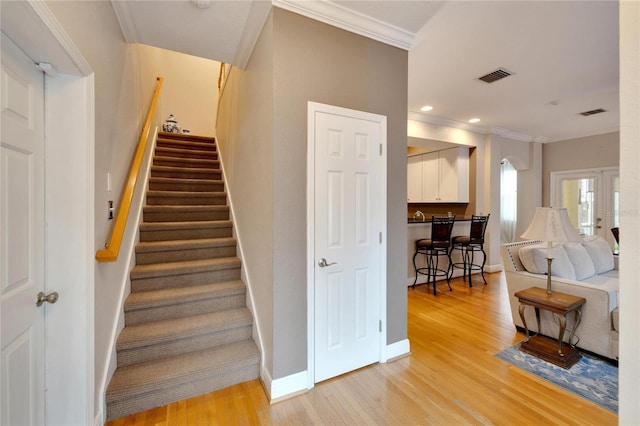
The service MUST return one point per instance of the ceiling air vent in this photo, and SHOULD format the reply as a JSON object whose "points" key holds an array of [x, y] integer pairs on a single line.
{"points": [[498, 74], [593, 111]]}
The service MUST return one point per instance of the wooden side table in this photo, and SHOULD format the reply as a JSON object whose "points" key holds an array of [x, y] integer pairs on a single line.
{"points": [[557, 352]]}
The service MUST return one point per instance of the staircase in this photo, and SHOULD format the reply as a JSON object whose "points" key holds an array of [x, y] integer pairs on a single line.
{"points": [[187, 328]]}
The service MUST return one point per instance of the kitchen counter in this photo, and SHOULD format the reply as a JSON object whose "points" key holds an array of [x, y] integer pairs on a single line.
{"points": [[459, 218]]}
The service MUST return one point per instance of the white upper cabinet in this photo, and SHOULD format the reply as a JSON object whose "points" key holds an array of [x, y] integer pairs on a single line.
{"points": [[414, 178], [439, 177]]}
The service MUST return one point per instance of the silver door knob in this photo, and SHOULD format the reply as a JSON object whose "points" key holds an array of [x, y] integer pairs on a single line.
{"points": [[323, 263], [49, 298]]}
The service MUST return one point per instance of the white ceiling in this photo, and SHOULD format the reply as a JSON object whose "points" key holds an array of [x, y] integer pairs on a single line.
{"points": [[563, 55]]}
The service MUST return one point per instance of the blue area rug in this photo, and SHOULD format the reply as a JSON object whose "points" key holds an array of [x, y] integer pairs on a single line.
{"points": [[590, 378]]}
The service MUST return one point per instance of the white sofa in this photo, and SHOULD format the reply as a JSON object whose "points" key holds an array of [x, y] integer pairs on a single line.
{"points": [[588, 270]]}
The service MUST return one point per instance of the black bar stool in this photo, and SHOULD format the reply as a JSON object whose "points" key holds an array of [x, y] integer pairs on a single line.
{"points": [[469, 245], [438, 245]]}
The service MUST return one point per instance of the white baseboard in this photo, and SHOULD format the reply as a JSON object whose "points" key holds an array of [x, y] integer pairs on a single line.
{"points": [[493, 268], [284, 387], [295, 384], [398, 349]]}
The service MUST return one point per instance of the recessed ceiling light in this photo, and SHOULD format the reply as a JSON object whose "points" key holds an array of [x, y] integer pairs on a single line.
{"points": [[474, 120], [426, 108]]}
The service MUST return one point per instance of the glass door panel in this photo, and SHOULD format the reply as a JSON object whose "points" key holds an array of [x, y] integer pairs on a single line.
{"points": [[591, 198], [578, 196]]}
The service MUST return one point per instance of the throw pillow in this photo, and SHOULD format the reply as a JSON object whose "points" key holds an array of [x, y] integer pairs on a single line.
{"points": [[534, 259], [600, 253], [581, 260]]}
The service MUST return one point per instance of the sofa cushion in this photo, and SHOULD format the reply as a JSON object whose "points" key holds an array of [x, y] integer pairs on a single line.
{"points": [[581, 260], [600, 253], [534, 259]]}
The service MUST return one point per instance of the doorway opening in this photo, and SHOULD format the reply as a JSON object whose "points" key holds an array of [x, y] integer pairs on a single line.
{"points": [[508, 202]]}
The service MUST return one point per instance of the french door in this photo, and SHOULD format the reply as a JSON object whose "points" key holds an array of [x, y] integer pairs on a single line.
{"points": [[591, 198]]}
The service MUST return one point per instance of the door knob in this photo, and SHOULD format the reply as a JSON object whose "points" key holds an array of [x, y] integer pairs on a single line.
{"points": [[50, 298], [323, 263]]}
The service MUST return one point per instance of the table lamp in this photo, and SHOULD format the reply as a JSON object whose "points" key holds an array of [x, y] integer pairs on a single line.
{"points": [[551, 224]]}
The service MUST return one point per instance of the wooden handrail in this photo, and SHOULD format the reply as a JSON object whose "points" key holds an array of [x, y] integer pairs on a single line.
{"points": [[112, 246], [221, 74]]}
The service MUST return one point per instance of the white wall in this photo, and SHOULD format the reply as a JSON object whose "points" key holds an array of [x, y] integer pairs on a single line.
{"points": [[629, 391]]}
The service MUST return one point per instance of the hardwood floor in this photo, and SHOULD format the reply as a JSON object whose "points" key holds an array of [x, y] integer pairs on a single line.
{"points": [[451, 377]]}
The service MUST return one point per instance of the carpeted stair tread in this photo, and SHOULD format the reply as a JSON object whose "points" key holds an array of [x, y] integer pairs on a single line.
{"points": [[178, 171], [155, 246], [180, 268], [180, 209], [179, 152], [159, 298], [186, 137], [186, 194], [156, 332], [182, 184], [175, 143], [187, 162], [150, 376], [169, 226], [183, 180]]}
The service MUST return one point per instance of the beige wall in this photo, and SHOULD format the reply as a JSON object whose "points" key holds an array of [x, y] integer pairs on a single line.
{"points": [[190, 88], [245, 139], [316, 62], [300, 60], [575, 154]]}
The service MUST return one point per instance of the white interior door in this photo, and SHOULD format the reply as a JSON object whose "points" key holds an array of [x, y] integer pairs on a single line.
{"points": [[349, 200], [22, 237]]}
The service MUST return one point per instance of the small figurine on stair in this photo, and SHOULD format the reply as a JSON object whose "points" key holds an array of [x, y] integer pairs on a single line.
{"points": [[171, 125]]}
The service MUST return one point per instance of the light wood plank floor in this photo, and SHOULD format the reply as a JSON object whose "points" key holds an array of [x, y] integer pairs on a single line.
{"points": [[451, 377]]}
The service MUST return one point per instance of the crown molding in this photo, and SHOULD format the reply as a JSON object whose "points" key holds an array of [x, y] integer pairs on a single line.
{"points": [[500, 131], [441, 121], [252, 29], [126, 21], [349, 20]]}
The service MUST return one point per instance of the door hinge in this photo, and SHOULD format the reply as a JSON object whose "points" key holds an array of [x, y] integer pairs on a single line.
{"points": [[381, 150], [380, 237], [380, 326]]}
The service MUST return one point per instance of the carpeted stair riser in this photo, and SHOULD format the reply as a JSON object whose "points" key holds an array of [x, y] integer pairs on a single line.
{"points": [[187, 326], [171, 303], [185, 153], [172, 198], [177, 378], [190, 163], [177, 251], [189, 185], [185, 213], [162, 231], [185, 172], [149, 341]]}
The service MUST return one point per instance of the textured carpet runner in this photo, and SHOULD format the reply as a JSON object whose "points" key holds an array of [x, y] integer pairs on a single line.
{"points": [[590, 378], [187, 328]]}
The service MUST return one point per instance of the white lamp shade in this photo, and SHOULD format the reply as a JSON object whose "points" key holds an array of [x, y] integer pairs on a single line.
{"points": [[551, 224]]}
